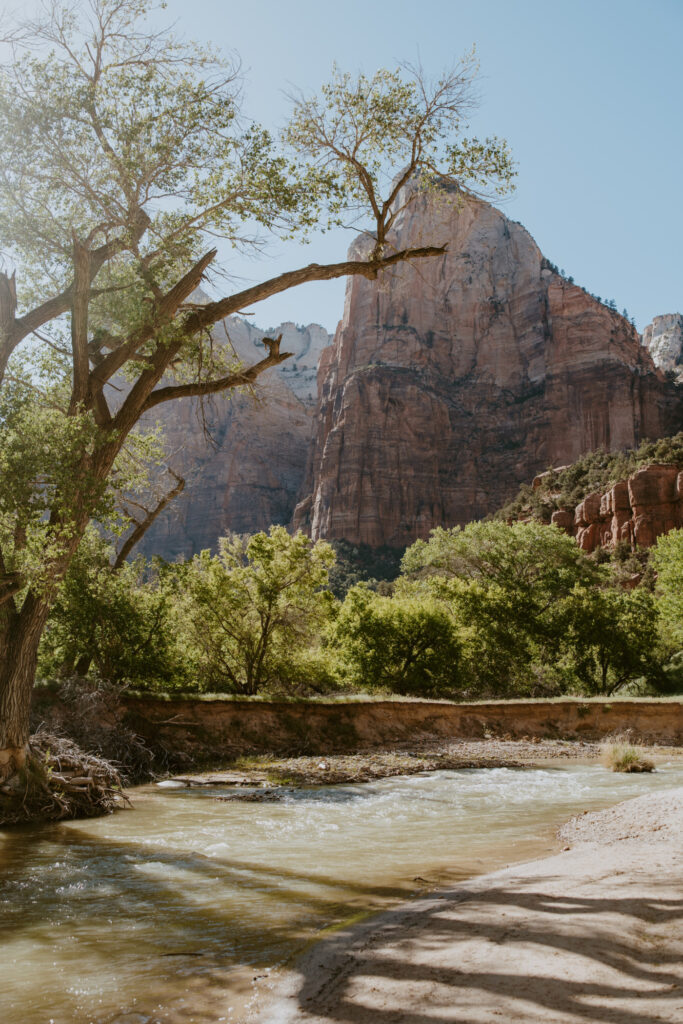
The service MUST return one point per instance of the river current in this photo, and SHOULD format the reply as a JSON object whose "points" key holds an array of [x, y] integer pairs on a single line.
{"points": [[176, 910]]}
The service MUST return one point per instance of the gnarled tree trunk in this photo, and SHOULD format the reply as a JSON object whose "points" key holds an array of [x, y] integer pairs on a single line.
{"points": [[19, 639]]}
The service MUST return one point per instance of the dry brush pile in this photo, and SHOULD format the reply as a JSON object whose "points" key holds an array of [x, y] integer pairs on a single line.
{"points": [[59, 781]]}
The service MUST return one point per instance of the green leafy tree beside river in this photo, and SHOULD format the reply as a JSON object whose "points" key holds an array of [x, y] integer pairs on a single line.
{"points": [[113, 621], [612, 638], [667, 559], [252, 615], [403, 644], [126, 156], [507, 588]]}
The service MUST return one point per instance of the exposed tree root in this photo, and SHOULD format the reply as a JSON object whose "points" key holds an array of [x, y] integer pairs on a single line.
{"points": [[60, 781]]}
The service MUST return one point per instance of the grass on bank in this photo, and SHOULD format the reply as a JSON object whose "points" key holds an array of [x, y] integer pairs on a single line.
{"points": [[621, 754], [392, 698]]}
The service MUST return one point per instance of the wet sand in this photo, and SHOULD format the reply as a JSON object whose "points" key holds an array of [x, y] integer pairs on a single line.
{"points": [[592, 934]]}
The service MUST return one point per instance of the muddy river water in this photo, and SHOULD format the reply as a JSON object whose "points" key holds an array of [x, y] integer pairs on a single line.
{"points": [[174, 911]]}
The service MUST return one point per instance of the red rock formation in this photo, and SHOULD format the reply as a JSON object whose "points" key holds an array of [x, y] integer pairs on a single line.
{"points": [[637, 510], [452, 382]]}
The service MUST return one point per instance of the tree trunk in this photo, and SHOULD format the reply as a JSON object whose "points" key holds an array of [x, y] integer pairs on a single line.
{"points": [[18, 656]]}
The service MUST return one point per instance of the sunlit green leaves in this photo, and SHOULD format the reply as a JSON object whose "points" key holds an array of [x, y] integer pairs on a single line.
{"points": [[404, 644], [253, 608], [667, 559], [373, 134]]}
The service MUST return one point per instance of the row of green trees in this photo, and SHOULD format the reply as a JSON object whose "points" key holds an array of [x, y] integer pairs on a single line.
{"points": [[487, 610]]}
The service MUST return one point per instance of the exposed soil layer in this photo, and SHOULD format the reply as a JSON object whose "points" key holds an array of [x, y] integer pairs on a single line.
{"points": [[218, 731]]}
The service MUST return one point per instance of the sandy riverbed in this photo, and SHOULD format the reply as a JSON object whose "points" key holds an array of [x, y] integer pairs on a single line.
{"points": [[594, 934]]}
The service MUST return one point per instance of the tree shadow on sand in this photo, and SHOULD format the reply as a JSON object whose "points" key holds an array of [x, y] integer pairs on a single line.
{"points": [[329, 989]]}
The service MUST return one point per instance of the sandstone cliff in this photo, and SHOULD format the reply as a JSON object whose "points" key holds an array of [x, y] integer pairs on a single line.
{"points": [[635, 511], [246, 470], [663, 339], [451, 382]]}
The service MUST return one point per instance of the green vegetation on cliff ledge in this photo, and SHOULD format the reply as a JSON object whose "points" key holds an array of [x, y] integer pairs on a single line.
{"points": [[596, 471]]}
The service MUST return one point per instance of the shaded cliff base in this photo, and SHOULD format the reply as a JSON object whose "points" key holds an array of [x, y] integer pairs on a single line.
{"points": [[594, 933]]}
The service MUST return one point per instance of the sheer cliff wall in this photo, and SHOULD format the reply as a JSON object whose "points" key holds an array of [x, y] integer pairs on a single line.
{"points": [[452, 381], [243, 454]]}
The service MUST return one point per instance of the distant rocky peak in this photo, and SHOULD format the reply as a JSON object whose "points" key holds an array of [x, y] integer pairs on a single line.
{"points": [[663, 339], [305, 343]]}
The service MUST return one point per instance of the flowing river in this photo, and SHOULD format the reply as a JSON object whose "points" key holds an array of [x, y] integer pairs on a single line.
{"points": [[174, 912]]}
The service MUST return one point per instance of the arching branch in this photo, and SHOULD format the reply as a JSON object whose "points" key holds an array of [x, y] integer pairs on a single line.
{"points": [[142, 526]]}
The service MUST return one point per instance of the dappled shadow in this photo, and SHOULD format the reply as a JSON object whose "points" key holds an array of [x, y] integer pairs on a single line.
{"points": [[178, 912], [404, 948]]}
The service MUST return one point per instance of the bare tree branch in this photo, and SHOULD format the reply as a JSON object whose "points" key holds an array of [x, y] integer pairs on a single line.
{"points": [[143, 526], [79, 324], [212, 312], [164, 312], [212, 387]]}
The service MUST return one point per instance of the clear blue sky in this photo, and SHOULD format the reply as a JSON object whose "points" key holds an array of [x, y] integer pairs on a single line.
{"points": [[589, 93]]}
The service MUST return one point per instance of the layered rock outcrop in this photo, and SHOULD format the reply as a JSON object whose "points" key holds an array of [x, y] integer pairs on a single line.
{"points": [[663, 339], [452, 381], [635, 511], [243, 455]]}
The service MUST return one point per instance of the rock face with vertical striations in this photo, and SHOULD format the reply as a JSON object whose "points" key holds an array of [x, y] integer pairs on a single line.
{"points": [[246, 469], [452, 381], [663, 339]]}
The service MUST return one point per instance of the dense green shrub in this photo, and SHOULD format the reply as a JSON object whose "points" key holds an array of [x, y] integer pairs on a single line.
{"points": [[403, 644], [115, 623], [535, 615], [612, 638], [360, 563], [251, 616], [506, 588], [667, 560]]}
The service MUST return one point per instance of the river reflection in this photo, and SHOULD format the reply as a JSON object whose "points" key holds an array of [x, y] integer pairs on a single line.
{"points": [[170, 911]]}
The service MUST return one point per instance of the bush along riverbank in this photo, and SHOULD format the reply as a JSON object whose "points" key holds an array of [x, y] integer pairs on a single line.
{"points": [[491, 610]]}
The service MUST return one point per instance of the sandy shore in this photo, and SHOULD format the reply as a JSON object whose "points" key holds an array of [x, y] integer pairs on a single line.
{"points": [[594, 934]]}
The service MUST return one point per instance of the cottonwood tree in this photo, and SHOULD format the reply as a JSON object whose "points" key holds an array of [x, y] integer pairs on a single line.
{"points": [[250, 611], [125, 155]]}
